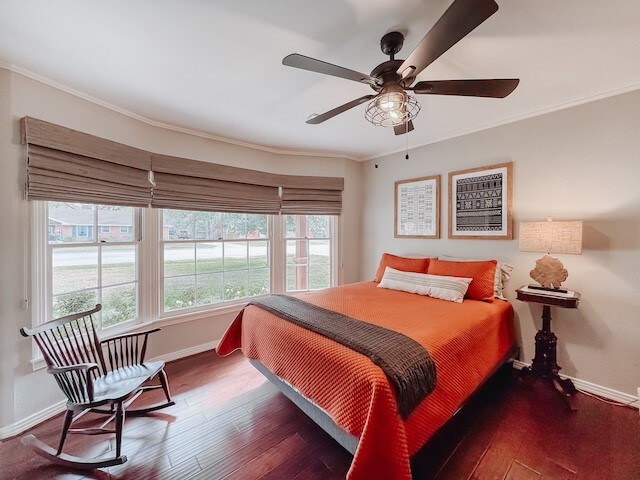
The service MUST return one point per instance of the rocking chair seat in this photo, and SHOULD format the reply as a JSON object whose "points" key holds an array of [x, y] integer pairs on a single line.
{"points": [[119, 384]]}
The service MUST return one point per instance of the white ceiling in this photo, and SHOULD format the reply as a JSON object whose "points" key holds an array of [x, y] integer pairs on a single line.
{"points": [[215, 66]]}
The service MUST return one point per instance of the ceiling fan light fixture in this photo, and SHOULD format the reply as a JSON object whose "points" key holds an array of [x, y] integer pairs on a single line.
{"points": [[392, 108]]}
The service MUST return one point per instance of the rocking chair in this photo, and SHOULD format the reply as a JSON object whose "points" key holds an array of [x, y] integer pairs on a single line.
{"points": [[76, 358]]}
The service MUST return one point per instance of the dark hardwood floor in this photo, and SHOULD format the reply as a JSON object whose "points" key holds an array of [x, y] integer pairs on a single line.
{"points": [[230, 423]]}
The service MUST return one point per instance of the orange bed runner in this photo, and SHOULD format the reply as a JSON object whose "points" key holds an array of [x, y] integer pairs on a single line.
{"points": [[466, 341]]}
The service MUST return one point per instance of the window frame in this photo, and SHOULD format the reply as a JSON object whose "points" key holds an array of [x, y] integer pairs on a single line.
{"points": [[99, 245], [212, 306], [149, 272], [333, 259]]}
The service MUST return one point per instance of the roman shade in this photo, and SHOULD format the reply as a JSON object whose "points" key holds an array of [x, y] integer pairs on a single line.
{"points": [[312, 195], [181, 183], [70, 166]]}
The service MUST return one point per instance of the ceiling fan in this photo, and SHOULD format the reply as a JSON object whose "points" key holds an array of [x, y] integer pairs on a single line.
{"points": [[391, 106]]}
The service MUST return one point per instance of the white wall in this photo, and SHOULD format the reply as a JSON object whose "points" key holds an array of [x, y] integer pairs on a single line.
{"points": [[578, 163], [24, 392]]}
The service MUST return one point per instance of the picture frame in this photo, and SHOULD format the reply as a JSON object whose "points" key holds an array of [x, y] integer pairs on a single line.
{"points": [[480, 203], [417, 207]]}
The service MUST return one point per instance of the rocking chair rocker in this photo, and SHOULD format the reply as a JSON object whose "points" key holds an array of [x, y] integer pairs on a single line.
{"points": [[76, 358]]}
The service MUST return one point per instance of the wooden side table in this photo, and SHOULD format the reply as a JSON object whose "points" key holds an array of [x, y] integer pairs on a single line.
{"points": [[544, 363]]}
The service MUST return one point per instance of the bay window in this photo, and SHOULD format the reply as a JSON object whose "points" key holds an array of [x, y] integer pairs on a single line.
{"points": [[193, 261]]}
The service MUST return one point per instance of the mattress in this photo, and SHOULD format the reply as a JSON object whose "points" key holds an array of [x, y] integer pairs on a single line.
{"points": [[466, 342]]}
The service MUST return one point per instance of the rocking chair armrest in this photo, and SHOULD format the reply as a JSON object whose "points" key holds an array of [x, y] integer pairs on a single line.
{"points": [[126, 349], [84, 367], [128, 335]]}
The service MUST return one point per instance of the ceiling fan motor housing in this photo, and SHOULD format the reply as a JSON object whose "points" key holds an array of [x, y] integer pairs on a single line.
{"points": [[391, 43]]}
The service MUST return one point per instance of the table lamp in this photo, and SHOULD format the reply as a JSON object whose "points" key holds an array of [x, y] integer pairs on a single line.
{"points": [[550, 237]]}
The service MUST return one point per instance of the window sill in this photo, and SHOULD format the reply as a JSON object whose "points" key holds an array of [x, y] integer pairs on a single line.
{"points": [[38, 363]]}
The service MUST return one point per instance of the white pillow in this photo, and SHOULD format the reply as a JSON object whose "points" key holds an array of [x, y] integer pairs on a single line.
{"points": [[436, 286], [502, 276]]}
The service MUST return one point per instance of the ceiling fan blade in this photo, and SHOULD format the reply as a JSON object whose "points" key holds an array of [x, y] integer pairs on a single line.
{"points": [[338, 110], [496, 88], [460, 19], [404, 128], [307, 63]]}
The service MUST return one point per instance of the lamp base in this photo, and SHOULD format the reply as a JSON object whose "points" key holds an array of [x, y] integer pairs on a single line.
{"points": [[549, 272], [548, 289]]}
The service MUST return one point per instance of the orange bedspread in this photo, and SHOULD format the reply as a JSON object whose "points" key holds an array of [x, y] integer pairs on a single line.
{"points": [[466, 341]]}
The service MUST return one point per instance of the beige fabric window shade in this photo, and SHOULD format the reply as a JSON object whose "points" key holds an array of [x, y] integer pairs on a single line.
{"points": [[70, 166], [300, 201], [312, 195], [186, 184]]}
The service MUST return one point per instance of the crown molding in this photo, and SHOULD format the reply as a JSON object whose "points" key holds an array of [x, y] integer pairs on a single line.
{"points": [[154, 123], [197, 133], [536, 113]]}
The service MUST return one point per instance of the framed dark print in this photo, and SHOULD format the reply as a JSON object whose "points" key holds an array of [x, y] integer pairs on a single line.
{"points": [[480, 203], [417, 208]]}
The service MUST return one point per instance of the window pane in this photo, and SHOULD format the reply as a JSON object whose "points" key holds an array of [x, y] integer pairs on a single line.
{"points": [[235, 225], [297, 278], [297, 258], [74, 269], [179, 292], [235, 284], [118, 264], [208, 226], [179, 259], [118, 304], [295, 226], [115, 224], [71, 222], [297, 252], [318, 226], [235, 256], [178, 225], [319, 277], [208, 257], [257, 226], [210, 289], [74, 303], [258, 254], [259, 281], [223, 263], [319, 252]]}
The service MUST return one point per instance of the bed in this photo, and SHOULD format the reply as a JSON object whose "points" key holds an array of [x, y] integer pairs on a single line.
{"points": [[351, 397]]}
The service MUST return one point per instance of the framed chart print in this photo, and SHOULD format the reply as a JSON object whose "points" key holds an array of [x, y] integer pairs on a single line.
{"points": [[417, 208], [480, 203]]}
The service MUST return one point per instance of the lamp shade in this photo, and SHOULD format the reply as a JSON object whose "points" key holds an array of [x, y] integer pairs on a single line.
{"points": [[551, 237]]}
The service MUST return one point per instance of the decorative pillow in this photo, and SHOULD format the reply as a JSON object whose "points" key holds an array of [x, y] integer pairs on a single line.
{"points": [[482, 273], [436, 286], [502, 276], [404, 264]]}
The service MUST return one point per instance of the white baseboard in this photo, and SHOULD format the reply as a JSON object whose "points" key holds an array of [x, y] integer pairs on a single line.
{"points": [[187, 352], [589, 387], [33, 420], [59, 407]]}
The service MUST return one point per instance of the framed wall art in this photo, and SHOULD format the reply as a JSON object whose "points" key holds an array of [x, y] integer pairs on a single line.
{"points": [[417, 208], [480, 203]]}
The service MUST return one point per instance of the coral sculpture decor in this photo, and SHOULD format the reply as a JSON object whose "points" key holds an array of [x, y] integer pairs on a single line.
{"points": [[549, 272]]}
